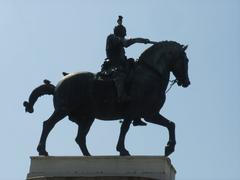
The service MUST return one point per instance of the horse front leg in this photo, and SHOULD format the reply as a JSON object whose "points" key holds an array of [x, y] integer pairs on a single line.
{"points": [[121, 140], [160, 120]]}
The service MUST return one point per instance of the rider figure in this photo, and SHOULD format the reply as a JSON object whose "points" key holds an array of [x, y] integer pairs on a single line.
{"points": [[116, 56]]}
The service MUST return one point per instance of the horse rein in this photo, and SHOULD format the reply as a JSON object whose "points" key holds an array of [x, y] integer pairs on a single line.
{"points": [[171, 85]]}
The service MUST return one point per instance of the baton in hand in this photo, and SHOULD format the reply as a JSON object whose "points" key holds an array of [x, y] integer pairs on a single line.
{"points": [[152, 42]]}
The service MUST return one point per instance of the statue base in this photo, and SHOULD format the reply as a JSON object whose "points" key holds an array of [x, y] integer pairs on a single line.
{"points": [[101, 168]]}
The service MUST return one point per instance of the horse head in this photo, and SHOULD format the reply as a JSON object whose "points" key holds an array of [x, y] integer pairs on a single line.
{"points": [[179, 67], [168, 56]]}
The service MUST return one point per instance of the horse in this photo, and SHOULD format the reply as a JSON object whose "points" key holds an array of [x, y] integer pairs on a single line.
{"points": [[83, 97]]}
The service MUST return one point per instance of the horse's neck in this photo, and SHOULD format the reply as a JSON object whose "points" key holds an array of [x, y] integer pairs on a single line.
{"points": [[158, 60], [149, 75], [157, 63]]}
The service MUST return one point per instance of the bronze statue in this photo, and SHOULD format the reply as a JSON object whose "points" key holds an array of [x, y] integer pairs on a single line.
{"points": [[83, 97]]}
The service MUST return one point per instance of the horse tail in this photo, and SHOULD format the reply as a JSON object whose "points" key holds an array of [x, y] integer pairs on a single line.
{"points": [[46, 88]]}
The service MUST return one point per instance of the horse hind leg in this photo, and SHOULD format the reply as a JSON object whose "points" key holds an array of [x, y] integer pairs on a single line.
{"points": [[47, 127], [84, 126]]}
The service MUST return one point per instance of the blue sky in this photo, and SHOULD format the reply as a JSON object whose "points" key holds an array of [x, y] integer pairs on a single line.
{"points": [[40, 39]]}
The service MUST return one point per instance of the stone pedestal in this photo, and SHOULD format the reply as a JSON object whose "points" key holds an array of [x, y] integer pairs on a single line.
{"points": [[101, 168]]}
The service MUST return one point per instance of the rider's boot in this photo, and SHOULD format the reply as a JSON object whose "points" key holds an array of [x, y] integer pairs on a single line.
{"points": [[121, 93], [138, 122]]}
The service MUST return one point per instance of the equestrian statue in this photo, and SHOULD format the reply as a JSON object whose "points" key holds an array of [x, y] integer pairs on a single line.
{"points": [[123, 89]]}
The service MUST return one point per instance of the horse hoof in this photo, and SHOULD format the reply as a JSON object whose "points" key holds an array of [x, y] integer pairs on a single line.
{"points": [[42, 152], [124, 153], [169, 150], [87, 154]]}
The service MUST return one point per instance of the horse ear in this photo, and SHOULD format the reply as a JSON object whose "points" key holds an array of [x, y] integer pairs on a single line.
{"points": [[184, 47]]}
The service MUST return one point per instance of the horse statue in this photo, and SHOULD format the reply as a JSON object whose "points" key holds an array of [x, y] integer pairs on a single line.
{"points": [[83, 97]]}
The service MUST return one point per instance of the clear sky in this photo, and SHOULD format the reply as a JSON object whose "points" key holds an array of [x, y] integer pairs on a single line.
{"points": [[40, 39]]}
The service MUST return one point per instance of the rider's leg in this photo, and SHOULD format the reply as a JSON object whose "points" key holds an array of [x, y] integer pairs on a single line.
{"points": [[119, 79]]}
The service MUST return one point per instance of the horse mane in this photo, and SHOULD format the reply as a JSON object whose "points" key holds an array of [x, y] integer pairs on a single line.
{"points": [[163, 46]]}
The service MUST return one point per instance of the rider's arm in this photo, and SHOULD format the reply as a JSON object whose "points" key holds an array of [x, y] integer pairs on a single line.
{"points": [[129, 42]]}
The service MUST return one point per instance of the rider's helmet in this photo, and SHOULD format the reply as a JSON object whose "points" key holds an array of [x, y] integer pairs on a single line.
{"points": [[120, 30]]}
